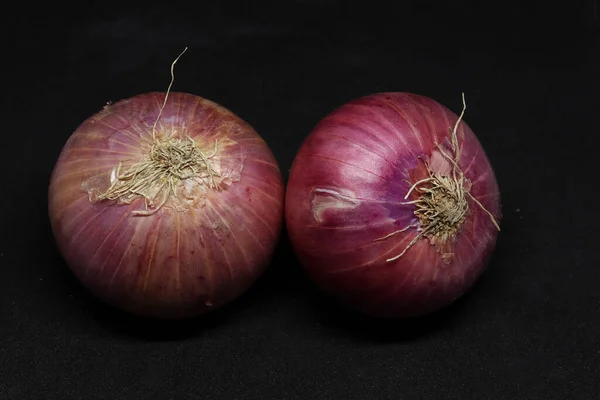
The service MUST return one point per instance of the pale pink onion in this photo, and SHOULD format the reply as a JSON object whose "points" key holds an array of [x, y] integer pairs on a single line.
{"points": [[197, 228]]}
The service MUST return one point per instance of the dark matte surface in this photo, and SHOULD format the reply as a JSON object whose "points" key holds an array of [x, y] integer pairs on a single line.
{"points": [[530, 329]]}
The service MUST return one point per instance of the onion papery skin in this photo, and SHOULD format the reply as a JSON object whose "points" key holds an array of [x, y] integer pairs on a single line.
{"points": [[344, 190], [194, 254]]}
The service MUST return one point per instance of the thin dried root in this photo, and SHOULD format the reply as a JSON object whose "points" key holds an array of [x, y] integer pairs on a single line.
{"points": [[442, 206], [411, 244], [415, 185], [167, 94], [485, 210], [398, 231]]}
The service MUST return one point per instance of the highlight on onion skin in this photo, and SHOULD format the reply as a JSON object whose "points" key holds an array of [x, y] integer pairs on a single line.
{"points": [[166, 212], [357, 233]]}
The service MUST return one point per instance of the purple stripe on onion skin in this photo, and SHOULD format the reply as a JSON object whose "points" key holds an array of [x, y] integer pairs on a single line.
{"points": [[203, 277], [187, 255], [258, 217], [110, 241], [379, 269], [378, 122], [348, 128], [117, 234]]}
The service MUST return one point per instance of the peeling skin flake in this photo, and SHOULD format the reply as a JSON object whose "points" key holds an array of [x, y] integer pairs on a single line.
{"points": [[325, 200]]}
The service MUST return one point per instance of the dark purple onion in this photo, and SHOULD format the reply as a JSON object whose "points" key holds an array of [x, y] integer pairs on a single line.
{"points": [[346, 193]]}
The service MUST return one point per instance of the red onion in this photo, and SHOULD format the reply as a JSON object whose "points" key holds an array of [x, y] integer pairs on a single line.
{"points": [[166, 206], [392, 205]]}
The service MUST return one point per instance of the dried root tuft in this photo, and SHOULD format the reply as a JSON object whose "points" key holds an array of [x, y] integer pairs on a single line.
{"points": [[160, 173], [442, 205]]}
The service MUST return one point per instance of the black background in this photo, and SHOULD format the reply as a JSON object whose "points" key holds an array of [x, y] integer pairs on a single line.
{"points": [[530, 329]]}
